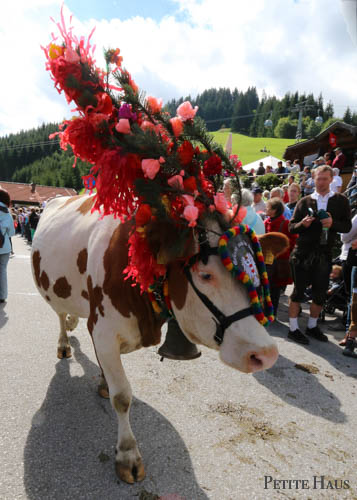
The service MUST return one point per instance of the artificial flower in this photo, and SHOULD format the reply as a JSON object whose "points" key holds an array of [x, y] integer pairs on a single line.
{"points": [[143, 215], [55, 51], [150, 167], [186, 112], [147, 125], [177, 126], [213, 165], [176, 182], [126, 112], [186, 152], [104, 103], [190, 213], [154, 104], [220, 203], [71, 55], [123, 126], [190, 184]]}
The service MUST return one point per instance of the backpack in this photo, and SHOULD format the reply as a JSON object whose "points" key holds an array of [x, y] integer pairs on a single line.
{"points": [[2, 237]]}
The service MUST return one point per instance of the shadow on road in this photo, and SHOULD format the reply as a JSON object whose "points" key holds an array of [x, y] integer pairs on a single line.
{"points": [[69, 451]]}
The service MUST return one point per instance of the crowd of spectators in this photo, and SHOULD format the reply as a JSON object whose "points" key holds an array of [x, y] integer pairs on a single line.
{"points": [[311, 211]]}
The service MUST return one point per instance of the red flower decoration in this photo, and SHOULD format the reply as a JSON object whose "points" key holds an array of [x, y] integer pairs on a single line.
{"points": [[213, 165], [186, 152], [190, 184], [143, 215]]}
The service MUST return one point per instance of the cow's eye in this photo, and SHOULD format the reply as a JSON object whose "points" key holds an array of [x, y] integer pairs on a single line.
{"points": [[205, 276]]}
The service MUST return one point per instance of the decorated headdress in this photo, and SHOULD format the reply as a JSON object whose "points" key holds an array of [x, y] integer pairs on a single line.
{"points": [[147, 167]]}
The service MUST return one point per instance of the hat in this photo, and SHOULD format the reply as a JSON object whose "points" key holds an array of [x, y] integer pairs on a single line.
{"points": [[337, 149], [257, 190], [321, 158]]}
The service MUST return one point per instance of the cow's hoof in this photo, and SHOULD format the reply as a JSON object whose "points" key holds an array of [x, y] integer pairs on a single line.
{"points": [[130, 474], [64, 352], [103, 390]]}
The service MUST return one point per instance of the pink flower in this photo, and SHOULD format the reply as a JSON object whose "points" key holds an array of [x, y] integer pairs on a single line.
{"points": [[190, 213], [155, 105], [71, 56], [188, 199], [242, 212], [220, 203], [177, 125], [150, 167], [176, 182], [123, 126], [186, 112], [147, 125]]}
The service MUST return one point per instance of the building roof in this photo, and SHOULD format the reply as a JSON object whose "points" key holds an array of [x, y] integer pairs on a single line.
{"points": [[346, 137], [34, 193]]}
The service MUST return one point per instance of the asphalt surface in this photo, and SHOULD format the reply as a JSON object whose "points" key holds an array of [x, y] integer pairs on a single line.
{"points": [[204, 430]]}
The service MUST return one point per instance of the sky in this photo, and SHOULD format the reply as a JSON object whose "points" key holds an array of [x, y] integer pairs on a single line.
{"points": [[177, 48]]}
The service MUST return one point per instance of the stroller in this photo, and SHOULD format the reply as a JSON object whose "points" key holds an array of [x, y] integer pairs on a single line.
{"points": [[337, 300]]}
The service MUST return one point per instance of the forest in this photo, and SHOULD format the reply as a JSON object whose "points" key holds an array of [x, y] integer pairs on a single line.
{"points": [[30, 156]]}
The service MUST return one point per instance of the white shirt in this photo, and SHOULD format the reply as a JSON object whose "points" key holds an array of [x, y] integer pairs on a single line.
{"points": [[336, 183], [322, 200], [347, 239]]}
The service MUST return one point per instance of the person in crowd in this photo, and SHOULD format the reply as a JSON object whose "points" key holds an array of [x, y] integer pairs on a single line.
{"points": [[251, 174], [336, 278], [327, 159], [294, 195], [33, 221], [350, 338], [261, 169], [7, 230], [288, 165], [279, 272], [339, 160], [336, 184], [269, 169], [291, 179], [252, 219], [228, 190], [266, 195], [295, 168], [317, 219], [347, 240], [319, 162], [351, 189], [258, 203], [278, 192], [308, 184], [280, 170]]}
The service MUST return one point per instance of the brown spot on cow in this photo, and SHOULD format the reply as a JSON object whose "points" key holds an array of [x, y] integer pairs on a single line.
{"points": [[62, 288], [85, 294], [82, 261], [126, 298], [86, 206], [48, 299], [45, 282], [95, 295], [178, 285], [36, 260], [71, 200]]}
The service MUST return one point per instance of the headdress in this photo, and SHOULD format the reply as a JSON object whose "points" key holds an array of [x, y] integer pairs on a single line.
{"points": [[146, 166]]}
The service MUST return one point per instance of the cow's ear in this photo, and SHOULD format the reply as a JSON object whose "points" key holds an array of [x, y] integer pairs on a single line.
{"points": [[273, 244], [169, 242]]}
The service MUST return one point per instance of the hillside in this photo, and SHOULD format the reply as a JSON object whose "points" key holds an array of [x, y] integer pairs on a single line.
{"points": [[248, 148]]}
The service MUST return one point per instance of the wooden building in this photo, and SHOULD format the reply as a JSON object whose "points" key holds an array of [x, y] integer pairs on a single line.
{"points": [[33, 194], [346, 138]]}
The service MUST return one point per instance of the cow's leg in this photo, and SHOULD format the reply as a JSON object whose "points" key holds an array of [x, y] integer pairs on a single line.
{"points": [[71, 322], [63, 347], [129, 466]]}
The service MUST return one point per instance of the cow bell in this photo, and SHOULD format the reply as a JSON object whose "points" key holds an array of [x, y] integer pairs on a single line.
{"points": [[176, 345]]}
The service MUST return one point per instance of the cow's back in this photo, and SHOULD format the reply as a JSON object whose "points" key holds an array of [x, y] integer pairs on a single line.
{"points": [[65, 237]]}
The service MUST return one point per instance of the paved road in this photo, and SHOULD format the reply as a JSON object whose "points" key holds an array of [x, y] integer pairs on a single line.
{"points": [[205, 431]]}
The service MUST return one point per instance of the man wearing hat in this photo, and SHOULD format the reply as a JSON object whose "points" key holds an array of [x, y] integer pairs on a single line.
{"points": [[339, 160], [258, 203]]}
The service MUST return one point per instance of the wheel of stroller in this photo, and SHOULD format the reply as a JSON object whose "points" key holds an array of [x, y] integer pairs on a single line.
{"points": [[329, 309]]}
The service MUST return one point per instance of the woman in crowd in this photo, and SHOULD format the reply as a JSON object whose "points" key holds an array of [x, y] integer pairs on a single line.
{"points": [[279, 272], [7, 230], [294, 195], [252, 219]]}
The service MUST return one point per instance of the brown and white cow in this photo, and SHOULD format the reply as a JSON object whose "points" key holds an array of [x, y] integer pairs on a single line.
{"points": [[77, 262]]}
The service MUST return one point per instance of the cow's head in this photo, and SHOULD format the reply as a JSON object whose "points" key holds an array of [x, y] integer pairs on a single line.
{"points": [[246, 345]]}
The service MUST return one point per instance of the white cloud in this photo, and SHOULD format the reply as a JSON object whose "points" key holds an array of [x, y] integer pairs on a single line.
{"points": [[276, 45]]}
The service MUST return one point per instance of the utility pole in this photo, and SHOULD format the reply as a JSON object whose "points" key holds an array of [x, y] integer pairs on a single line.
{"points": [[300, 107]]}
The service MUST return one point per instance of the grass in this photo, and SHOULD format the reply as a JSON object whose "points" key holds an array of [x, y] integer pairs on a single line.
{"points": [[248, 148]]}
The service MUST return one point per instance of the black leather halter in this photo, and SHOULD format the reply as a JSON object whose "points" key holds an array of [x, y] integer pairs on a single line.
{"points": [[222, 321]]}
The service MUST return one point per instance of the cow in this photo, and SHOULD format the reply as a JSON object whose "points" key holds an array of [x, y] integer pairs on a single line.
{"points": [[78, 258]]}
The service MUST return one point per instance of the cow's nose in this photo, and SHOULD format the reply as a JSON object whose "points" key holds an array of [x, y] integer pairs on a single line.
{"points": [[261, 359]]}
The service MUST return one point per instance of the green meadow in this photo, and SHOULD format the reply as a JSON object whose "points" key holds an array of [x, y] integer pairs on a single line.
{"points": [[248, 148]]}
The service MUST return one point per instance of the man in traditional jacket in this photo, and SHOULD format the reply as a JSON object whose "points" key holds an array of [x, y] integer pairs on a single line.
{"points": [[317, 219]]}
